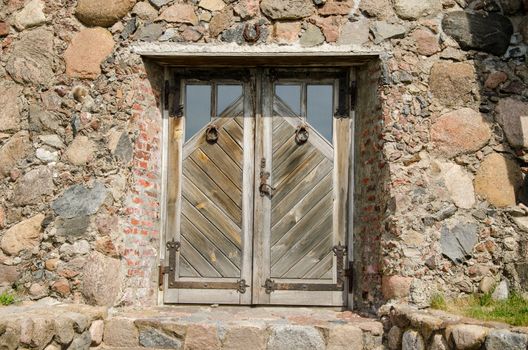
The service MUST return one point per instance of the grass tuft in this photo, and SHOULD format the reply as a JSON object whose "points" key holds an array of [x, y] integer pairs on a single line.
{"points": [[7, 299], [513, 310]]}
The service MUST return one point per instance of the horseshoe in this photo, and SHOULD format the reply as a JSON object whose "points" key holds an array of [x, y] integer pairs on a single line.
{"points": [[247, 33]]}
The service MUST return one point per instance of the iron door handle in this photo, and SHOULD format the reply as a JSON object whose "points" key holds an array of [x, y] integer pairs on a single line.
{"points": [[265, 188]]}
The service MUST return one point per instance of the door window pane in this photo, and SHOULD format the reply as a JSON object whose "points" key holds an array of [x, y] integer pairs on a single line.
{"points": [[320, 108], [291, 94], [197, 108], [226, 95]]}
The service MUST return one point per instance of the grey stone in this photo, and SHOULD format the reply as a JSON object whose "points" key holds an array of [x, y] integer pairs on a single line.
{"points": [[145, 11], [32, 58], [438, 343], [394, 338], [383, 31], [153, 338], [8, 274], [78, 200], [511, 7], [52, 140], [129, 29], [40, 120], [101, 280], [81, 342], [414, 9], [488, 33], [512, 116], [467, 336], [33, 187], [293, 337], [72, 228], [522, 271], [457, 242], [412, 340], [502, 339], [159, 3], [287, 9], [312, 36], [501, 292], [124, 149], [150, 32]]}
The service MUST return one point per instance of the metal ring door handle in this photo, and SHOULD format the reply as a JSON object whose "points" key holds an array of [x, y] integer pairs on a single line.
{"points": [[211, 134]]}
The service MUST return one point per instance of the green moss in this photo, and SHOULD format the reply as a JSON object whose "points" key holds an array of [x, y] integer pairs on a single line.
{"points": [[438, 302], [7, 299]]}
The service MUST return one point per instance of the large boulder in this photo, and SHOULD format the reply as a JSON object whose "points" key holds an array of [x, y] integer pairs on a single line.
{"points": [[499, 180], [17, 148], [10, 116], [459, 132], [33, 187], [512, 115], [295, 337], [453, 83], [414, 9], [32, 58], [79, 200], [287, 10], [23, 236], [489, 32], [101, 279], [86, 51], [102, 13]]}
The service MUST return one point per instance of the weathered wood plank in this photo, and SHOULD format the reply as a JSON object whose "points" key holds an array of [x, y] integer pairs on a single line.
{"points": [[300, 155], [231, 148], [282, 134], [211, 190], [186, 270], [201, 241], [196, 260], [286, 238], [311, 259], [323, 269], [224, 182], [211, 211], [302, 179], [209, 230], [290, 203], [229, 167], [236, 132], [305, 244]]}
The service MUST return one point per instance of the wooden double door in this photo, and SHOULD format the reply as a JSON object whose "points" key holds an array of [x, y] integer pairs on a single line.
{"points": [[258, 187]]}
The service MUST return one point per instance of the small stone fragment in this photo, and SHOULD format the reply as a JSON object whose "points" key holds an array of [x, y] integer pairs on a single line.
{"points": [[80, 151], [145, 11], [453, 83], [414, 9], [287, 9], [78, 201], [457, 242], [15, 149], [101, 283], [286, 32], [354, 33], [383, 31], [512, 116], [220, 22], [412, 340], [495, 79], [33, 187], [426, 42], [395, 287], [468, 336], [212, 5], [501, 292], [10, 116]]}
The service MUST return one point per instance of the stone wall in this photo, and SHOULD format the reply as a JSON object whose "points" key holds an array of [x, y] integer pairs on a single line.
{"points": [[440, 148], [411, 329]]}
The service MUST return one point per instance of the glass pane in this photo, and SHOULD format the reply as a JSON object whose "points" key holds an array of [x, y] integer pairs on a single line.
{"points": [[291, 94], [197, 108], [227, 94], [320, 108]]}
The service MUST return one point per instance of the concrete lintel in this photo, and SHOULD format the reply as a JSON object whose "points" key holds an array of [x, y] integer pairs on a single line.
{"points": [[233, 54]]}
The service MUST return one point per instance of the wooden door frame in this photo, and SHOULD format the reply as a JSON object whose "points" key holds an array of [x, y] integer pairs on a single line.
{"points": [[172, 136]]}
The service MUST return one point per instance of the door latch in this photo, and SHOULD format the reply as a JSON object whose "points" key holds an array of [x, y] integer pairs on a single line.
{"points": [[265, 188]]}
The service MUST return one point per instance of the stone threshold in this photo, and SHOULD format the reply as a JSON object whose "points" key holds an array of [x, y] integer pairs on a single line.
{"points": [[50, 326]]}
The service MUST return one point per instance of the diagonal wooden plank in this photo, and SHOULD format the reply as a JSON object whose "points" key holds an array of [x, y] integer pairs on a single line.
{"points": [[303, 178], [281, 108], [298, 157], [304, 243], [224, 182], [196, 260], [323, 269], [186, 270], [277, 122], [228, 166], [311, 259], [296, 199], [192, 171], [209, 209], [239, 119], [208, 250], [230, 147], [281, 135], [234, 109], [285, 150], [235, 131], [285, 239], [209, 230]]}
